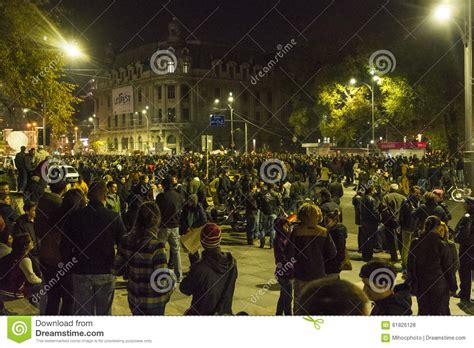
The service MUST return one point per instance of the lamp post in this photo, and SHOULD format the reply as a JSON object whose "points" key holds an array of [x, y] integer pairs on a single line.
{"points": [[144, 113], [230, 100], [371, 87], [444, 13]]}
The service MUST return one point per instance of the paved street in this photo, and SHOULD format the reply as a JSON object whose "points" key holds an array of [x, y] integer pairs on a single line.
{"points": [[256, 289]]}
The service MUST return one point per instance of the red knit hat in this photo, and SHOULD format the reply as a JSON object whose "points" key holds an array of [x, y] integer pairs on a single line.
{"points": [[210, 236]]}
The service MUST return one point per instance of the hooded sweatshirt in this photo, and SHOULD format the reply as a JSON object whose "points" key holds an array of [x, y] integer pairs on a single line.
{"points": [[313, 246], [211, 282]]}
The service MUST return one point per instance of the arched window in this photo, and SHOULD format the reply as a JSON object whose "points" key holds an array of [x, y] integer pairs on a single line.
{"points": [[171, 140]]}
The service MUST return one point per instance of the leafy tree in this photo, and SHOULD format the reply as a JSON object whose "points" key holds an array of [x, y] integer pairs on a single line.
{"points": [[31, 67]]}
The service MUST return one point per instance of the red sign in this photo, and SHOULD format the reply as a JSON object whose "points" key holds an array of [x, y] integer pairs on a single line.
{"points": [[402, 145]]}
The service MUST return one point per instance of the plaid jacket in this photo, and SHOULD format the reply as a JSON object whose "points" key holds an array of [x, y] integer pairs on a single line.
{"points": [[144, 261]]}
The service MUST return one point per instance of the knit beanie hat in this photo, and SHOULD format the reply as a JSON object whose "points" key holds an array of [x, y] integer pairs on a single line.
{"points": [[210, 236]]}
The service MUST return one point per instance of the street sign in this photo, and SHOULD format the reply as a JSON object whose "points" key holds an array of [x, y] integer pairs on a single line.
{"points": [[216, 120]]}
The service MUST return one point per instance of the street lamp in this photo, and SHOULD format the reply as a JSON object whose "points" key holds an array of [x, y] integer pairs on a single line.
{"points": [[144, 113], [375, 79], [72, 49], [444, 13], [230, 100]]}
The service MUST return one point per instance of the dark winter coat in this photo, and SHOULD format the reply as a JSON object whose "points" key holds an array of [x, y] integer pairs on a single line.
{"points": [[211, 282], [338, 234]]}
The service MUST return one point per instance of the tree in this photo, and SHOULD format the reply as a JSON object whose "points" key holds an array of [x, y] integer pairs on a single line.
{"points": [[31, 66]]}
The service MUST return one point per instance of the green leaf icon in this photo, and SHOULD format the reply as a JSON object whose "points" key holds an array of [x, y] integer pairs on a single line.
{"points": [[19, 329]]}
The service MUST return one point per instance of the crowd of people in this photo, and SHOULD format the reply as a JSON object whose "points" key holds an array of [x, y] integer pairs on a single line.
{"points": [[127, 216]]}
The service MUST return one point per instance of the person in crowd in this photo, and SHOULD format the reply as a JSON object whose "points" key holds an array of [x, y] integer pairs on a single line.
{"points": [[327, 204], [369, 219], [211, 281], [20, 164], [48, 206], [333, 297], [313, 247], [465, 237], [30, 162], [298, 193], [251, 213], [356, 202], [440, 200], [336, 189], [34, 190], [390, 216], [143, 257], [268, 203], [428, 208], [285, 262], [224, 187], [431, 271], [6, 239], [5, 188], [193, 216], [338, 233], [6, 210], [407, 226], [379, 286], [93, 233], [55, 252], [81, 185], [113, 199], [171, 203], [16, 272], [25, 225], [325, 174]]}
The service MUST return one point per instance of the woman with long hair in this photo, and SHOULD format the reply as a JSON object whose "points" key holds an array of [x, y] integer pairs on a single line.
{"points": [[16, 272], [143, 258], [431, 270]]}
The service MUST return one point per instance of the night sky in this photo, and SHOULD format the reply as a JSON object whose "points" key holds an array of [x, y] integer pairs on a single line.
{"points": [[259, 23]]}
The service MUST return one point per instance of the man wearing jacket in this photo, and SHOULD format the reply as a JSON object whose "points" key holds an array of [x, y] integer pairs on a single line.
{"points": [[171, 203], [390, 214], [211, 281], [20, 164], [369, 218], [406, 221], [92, 235], [268, 204], [465, 238]]}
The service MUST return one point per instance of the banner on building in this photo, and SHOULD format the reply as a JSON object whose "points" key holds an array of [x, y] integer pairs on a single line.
{"points": [[122, 99]]}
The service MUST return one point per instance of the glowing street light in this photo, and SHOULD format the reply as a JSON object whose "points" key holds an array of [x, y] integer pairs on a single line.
{"points": [[216, 101], [443, 13], [352, 81], [72, 49]]}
